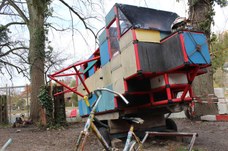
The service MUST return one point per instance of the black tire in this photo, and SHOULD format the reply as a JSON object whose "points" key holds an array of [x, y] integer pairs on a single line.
{"points": [[171, 125], [104, 132]]}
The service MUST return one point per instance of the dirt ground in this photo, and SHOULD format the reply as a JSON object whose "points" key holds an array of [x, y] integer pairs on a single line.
{"points": [[213, 136]]}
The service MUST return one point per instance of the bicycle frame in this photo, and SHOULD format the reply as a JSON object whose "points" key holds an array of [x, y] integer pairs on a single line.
{"points": [[128, 144], [90, 124]]}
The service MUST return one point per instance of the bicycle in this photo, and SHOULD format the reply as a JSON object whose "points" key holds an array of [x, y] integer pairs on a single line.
{"points": [[129, 145]]}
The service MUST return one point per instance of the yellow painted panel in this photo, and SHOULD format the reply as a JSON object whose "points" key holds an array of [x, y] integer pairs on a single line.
{"points": [[126, 40], [148, 35], [128, 61]]}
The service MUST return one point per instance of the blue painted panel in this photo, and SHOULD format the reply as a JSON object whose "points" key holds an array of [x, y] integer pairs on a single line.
{"points": [[104, 53], [102, 37], [92, 99], [107, 101], [83, 109], [110, 16], [192, 40], [91, 70]]}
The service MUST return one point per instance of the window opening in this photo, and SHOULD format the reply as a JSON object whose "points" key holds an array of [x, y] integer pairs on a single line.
{"points": [[125, 25], [113, 37]]}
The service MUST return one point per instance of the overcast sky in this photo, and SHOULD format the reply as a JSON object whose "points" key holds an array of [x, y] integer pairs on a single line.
{"points": [[74, 46]]}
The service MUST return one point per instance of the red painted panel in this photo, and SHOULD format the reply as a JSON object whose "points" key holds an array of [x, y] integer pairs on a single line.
{"points": [[183, 48]]}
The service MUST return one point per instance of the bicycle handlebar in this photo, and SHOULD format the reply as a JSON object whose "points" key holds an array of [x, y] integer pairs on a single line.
{"points": [[111, 91]]}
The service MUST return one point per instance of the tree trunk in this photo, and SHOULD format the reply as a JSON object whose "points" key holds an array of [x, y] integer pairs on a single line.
{"points": [[201, 15], [59, 107], [36, 53]]}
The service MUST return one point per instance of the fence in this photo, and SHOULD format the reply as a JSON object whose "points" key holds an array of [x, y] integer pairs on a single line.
{"points": [[16, 102]]}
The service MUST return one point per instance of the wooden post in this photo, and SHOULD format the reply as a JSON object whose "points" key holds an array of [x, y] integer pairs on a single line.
{"points": [[3, 110], [59, 106]]}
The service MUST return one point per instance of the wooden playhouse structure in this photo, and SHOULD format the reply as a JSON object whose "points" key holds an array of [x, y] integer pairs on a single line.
{"points": [[139, 57]]}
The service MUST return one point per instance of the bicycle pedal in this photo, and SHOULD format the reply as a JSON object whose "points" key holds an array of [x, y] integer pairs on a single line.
{"points": [[137, 120]]}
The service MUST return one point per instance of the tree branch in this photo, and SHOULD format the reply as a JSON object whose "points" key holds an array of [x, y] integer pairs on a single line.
{"points": [[19, 11], [9, 14], [2, 4], [19, 69], [80, 17], [64, 29], [11, 50], [14, 23]]}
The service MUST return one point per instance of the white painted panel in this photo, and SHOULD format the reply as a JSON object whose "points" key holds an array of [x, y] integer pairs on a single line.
{"points": [[157, 82], [126, 40], [128, 61], [99, 81], [118, 86], [178, 78], [106, 72]]}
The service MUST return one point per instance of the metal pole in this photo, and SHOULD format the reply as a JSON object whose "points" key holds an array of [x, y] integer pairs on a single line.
{"points": [[6, 144], [27, 92], [10, 106]]}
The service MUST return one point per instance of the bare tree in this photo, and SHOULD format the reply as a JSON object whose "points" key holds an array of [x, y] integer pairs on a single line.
{"points": [[32, 16]]}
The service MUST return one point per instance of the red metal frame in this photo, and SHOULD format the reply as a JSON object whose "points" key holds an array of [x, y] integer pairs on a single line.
{"points": [[177, 100], [191, 78], [167, 85], [167, 38], [125, 85], [77, 75], [136, 50], [183, 48]]}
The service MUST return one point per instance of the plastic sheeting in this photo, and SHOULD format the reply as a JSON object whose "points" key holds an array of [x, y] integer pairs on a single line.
{"points": [[147, 18]]}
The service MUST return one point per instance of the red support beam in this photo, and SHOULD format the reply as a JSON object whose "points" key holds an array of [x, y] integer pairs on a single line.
{"points": [[191, 78], [165, 102], [64, 85], [67, 74], [136, 50], [74, 65], [167, 86], [83, 83], [183, 48]]}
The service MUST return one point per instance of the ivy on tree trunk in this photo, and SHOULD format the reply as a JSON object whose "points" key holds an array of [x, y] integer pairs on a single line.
{"points": [[36, 52], [201, 14]]}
